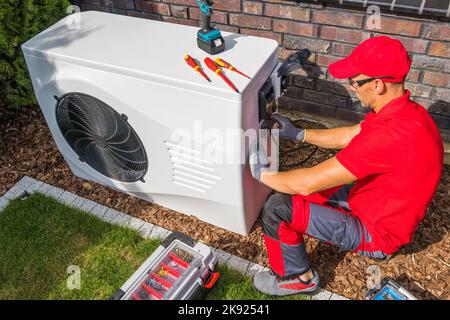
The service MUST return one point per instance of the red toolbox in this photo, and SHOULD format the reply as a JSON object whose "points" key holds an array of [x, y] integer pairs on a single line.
{"points": [[179, 269]]}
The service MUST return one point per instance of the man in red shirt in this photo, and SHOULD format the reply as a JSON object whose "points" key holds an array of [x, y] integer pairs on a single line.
{"points": [[373, 194]]}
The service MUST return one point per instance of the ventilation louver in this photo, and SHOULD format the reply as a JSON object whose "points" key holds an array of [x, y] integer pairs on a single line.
{"points": [[101, 137]]}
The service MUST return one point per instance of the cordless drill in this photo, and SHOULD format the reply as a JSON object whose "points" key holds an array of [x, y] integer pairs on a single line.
{"points": [[208, 38]]}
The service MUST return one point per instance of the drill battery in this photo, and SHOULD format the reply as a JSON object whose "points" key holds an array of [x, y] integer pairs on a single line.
{"points": [[179, 269]]}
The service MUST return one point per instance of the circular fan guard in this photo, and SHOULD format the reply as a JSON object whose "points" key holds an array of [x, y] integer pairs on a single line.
{"points": [[101, 137]]}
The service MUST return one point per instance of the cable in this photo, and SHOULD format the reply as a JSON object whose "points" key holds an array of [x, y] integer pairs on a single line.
{"points": [[298, 163], [268, 124]]}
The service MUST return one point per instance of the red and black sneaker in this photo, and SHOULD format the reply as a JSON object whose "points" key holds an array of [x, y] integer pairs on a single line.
{"points": [[269, 283]]}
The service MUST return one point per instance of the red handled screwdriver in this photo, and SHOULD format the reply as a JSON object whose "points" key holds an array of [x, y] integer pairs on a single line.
{"points": [[228, 66], [190, 61], [213, 66]]}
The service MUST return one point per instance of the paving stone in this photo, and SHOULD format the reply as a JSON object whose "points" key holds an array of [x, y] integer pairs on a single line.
{"points": [[88, 205], [135, 223], [253, 268], [25, 182], [159, 232], [99, 210], [222, 256], [115, 217], [322, 295], [67, 197], [78, 203], [43, 188], [238, 263], [110, 214], [335, 296], [146, 229], [52, 191], [16, 191], [34, 186], [3, 203]]}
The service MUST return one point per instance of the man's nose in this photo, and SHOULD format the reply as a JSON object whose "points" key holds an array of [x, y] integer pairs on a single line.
{"points": [[351, 88]]}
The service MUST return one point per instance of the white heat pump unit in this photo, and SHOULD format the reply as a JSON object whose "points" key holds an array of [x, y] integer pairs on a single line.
{"points": [[116, 92]]}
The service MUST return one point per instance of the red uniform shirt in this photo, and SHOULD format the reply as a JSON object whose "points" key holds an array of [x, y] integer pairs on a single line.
{"points": [[397, 158]]}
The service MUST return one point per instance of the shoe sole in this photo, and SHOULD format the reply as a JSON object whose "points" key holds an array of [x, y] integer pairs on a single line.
{"points": [[308, 293]]}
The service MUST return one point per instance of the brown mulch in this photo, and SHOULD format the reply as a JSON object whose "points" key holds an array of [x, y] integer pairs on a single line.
{"points": [[27, 148]]}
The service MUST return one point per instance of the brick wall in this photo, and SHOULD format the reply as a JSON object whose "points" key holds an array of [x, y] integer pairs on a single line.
{"points": [[330, 32]]}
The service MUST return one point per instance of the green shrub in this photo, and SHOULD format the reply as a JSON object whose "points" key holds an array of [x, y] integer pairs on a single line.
{"points": [[20, 21]]}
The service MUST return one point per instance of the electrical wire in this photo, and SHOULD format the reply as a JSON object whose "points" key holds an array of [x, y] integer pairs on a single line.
{"points": [[299, 163], [268, 124]]}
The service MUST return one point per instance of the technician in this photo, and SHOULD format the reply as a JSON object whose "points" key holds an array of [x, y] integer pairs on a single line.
{"points": [[373, 194]]}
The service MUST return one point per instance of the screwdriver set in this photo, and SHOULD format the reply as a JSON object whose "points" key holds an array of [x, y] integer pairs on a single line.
{"points": [[179, 269], [215, 66]]}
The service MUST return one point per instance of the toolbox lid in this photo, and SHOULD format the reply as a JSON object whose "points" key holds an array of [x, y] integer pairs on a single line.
{"points": [[148, 49]]}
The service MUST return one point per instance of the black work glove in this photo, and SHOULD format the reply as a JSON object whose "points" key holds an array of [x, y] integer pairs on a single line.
{"points": [[287, 128]]}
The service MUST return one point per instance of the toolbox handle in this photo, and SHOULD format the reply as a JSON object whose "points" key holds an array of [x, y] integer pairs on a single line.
{"points": [[212, 280]]}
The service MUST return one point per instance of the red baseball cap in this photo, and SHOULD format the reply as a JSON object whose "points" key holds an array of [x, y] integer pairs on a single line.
{"points": [[375, 57]]}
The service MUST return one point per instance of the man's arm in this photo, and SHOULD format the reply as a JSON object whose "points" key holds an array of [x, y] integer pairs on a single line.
{"points": [[336, 138], [306, 181]]}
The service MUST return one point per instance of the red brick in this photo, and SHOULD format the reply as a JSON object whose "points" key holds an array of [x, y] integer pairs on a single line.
{"points": [[426, 103], [227, 28], [442, 94], [217, 16], [399, 26], [342, 49], [325, 97], [437, 32], [338, 18], [184, 2], [440, 49], [252, 7], [297, 28], [144, 15], [288, 12], [413, 76], [116, 4], [153, 7], [282, 1], [88, 7], [326, 59], [250, 21], [430, 63], [227, 5], [418, 90], [344, 35], [436, 79], [186, 22], [179, 11], [265, 34], [349, 115], [92, 2], [296, 43]]}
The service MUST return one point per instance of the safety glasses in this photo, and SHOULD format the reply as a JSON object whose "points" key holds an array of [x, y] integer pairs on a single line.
{"points": [[358, 83]]}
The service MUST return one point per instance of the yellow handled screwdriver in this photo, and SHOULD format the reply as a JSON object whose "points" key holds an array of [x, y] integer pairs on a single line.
{"points": [[228, 66]]}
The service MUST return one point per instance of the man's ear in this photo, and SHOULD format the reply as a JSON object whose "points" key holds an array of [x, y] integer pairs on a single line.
{"points": [[379, 86]]}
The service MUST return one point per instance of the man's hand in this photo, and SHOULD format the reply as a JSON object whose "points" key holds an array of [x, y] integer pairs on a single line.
{"points": [[287, 129], [258, 161]]}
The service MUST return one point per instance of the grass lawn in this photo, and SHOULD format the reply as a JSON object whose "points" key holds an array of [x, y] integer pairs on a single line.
{"points": [[40, 238]]}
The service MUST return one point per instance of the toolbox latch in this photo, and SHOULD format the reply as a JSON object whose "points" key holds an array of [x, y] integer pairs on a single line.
{"points": [[212, 280]]}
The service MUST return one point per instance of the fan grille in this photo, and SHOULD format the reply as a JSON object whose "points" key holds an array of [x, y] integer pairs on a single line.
{"points": [[101, 137]]}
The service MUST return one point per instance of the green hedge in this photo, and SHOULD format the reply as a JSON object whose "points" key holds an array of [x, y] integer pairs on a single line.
{"points": [[20, 21]]}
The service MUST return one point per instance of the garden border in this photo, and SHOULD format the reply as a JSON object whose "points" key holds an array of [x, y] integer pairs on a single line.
{"points": [[145, 229]]}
